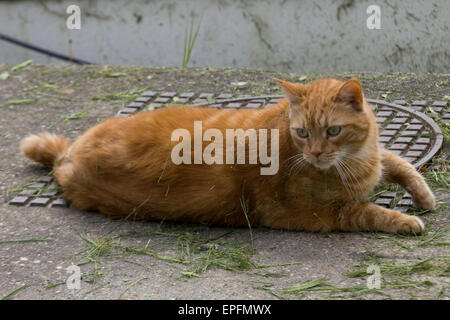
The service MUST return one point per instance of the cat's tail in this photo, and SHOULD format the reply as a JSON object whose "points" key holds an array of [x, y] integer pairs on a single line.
{"points": [[45, 148]]}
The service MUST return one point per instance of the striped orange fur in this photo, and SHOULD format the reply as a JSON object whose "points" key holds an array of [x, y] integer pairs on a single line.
{"points": [[329, 157]]}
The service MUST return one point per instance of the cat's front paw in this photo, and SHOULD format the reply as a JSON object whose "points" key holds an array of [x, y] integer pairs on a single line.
{"points": [[408, 224], [424, 199]]}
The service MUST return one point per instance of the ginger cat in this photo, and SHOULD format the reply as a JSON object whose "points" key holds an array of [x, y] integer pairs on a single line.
{"points": [[328, 154]]}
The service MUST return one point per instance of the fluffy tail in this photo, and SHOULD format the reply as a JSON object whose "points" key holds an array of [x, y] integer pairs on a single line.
{"points": [[45, 148]]}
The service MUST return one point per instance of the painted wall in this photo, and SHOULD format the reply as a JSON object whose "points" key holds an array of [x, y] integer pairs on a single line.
{"points": [[300, 36]]}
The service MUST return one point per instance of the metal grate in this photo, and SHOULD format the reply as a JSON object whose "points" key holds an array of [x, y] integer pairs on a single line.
{"points": [[406, 131]]}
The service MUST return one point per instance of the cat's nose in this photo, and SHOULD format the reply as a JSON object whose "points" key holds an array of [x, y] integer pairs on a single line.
{"points": [[316, 153]]}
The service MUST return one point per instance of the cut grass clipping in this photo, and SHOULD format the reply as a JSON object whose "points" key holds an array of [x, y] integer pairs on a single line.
{"points": [[19, 102], [439, 266], [70, 117], [199, 254], [438, 176], [22, 65], [320, 285], [409, 278], [438, 237], [411, 275], [14, 292], [124, 95], [26, 240]]}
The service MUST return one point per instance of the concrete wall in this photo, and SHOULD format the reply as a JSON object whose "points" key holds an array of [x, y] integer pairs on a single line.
{"points": [[300, 36]]}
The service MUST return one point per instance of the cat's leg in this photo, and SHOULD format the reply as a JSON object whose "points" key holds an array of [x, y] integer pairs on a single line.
{"points": [[366, 216], [398, 170], [289, 218]]}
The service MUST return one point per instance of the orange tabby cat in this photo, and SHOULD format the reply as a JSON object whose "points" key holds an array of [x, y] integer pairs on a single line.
{"points": [[328, 153]]}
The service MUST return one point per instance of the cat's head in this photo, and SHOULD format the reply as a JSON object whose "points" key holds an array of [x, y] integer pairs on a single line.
{"points": [[330, 120]]}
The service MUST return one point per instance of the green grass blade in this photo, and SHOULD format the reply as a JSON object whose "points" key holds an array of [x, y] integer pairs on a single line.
{"points": [[25, 240], [14, 292], [21, 65], [190, 39], [184, 64], [305, 286]]}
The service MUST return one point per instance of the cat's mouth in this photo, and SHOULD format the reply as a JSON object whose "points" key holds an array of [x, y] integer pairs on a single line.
{"points": [[323, 165], [323, 161]]}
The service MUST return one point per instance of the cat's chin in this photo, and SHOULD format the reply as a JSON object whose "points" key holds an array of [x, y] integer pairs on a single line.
{"points": [[323, 165]]}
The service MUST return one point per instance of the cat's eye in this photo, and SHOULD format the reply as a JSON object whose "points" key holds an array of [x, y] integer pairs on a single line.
{"points": [[302, 133], [333, 131]]}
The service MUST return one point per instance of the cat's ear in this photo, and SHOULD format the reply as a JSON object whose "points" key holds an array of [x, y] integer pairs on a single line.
{"points": [[351, 93], [294, 92]]}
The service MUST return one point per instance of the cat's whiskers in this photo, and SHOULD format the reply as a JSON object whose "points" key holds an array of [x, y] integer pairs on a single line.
{"points": [[292, 158], [352, 176], [288, 163], [300, 166], [359, 161], [296, 162], [297, 165], [343, 177], [350, 160], [339, 171]]}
